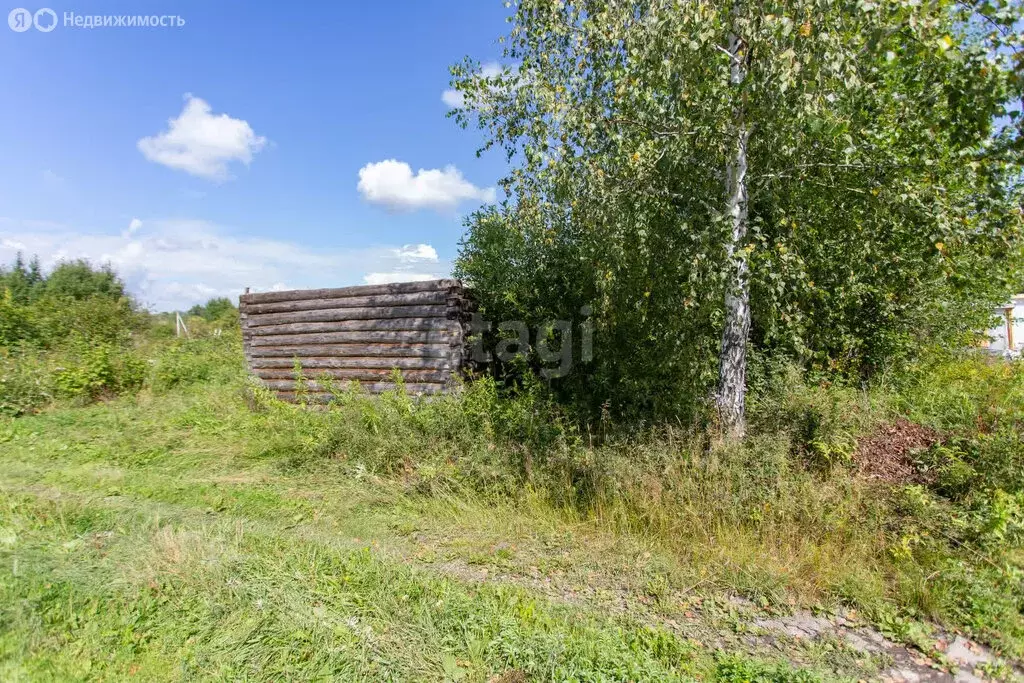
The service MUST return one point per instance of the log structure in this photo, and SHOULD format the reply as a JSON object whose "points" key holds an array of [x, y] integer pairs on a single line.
{"points": [[362, 334]]}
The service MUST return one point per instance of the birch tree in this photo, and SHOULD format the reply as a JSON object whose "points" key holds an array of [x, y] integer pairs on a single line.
{"points": [[732, 376], [702, 172]]}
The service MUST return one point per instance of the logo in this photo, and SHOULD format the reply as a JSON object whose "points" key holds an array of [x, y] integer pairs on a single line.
{"points": [[45, 20], [20, 20]]}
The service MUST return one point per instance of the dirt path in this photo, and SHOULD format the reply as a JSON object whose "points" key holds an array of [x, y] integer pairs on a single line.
{"points": [[732, 623]]}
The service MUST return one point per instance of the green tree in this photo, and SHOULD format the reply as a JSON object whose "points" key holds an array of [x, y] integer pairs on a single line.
{"points": [[21, 281], [821, 177], [79, 279], [74, 301], [218, 308]]}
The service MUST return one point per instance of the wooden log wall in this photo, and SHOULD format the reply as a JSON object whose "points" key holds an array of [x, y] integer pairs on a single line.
{"points": [[357, 334]]}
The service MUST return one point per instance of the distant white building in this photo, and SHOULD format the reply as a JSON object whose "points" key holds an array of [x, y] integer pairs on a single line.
{"points": [[1008, 337]]}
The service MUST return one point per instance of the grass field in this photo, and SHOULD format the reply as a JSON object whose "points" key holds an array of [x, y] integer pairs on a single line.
{"points": [[205, 531], [138, 539]]}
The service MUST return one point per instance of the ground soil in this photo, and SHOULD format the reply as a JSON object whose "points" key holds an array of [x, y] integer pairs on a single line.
{"points": [[888, 454]]}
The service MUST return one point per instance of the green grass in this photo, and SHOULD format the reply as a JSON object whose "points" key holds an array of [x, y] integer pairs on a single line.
{"points": [[181, 595], [156, 537], [198, 529]]}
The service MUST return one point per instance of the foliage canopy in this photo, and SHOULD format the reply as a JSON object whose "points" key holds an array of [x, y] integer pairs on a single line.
{"points": [[883, 213], [76, 300]]}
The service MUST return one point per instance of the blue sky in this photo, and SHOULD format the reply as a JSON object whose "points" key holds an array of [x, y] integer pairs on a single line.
{"points": [[244, 148]]}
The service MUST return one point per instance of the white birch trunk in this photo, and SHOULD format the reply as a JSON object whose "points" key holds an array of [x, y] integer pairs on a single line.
{"points": [[732, 375]]}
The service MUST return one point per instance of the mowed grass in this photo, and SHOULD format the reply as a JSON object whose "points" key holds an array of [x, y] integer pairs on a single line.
{"points": [[159, 537]]}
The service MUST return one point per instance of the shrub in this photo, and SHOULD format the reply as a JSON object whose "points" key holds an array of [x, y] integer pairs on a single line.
{"points": [[96, 318], [16, 324], [954, 477], [189, 361], [822, 419], [25, 383], [977, 402], [969, 392], [997, 519], [75, 299], [92, 369], [201, 327]]}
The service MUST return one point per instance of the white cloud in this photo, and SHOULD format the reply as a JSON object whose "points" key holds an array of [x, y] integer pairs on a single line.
{"points": [[398, 276], [453, 98], [133, 227], [416, 252], [393, 184], [456, 100], [202, 143], [172, 265]]}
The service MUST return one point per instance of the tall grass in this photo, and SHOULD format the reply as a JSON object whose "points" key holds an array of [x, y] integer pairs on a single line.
{"points": [[777, 518], [782, 518]]}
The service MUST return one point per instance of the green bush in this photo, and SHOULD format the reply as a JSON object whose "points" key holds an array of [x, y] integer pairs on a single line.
{"points": [[822, 419], [160, 328], [75, 300], [954, 477], [998, 519], [25, 383], [190, 361], [64, 335], [71, 334], [976, 402], [16, 324], [96, 318], [965, 393], [94, 369]]}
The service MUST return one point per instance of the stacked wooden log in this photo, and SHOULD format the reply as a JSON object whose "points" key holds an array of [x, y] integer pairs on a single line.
{"points": [[356, 334]]}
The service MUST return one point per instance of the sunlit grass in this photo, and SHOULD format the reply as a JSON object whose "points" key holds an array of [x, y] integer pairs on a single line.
{"points": [[203, 530]]}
